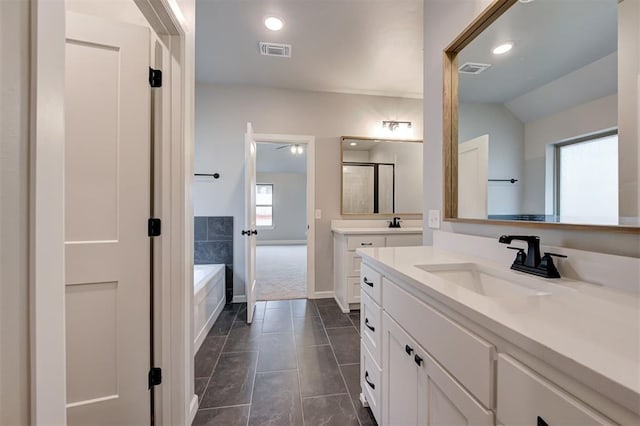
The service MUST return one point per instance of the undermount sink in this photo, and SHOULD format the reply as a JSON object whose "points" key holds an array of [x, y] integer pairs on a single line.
{"points": [[488, 281]]}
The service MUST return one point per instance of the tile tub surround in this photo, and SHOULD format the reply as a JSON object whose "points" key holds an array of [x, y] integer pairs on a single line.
{"points": [[297, 364], [213, 244]]}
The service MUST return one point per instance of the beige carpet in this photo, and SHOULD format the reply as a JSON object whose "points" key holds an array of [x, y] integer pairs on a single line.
{"points": [[281, 272]]}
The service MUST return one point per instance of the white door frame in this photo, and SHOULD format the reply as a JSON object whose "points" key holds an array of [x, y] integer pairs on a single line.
{"points": [[310, 142], [46, 222]]}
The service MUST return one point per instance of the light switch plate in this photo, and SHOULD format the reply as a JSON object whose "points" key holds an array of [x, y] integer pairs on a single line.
{"points": [[318, 214], [434, 219]]}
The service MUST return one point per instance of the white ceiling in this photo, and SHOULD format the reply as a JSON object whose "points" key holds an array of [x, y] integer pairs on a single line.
{"points": [[348, 46], [551, 39]]}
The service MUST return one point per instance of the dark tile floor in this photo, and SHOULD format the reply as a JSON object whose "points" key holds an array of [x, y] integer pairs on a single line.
{"points": [[297, 364]]}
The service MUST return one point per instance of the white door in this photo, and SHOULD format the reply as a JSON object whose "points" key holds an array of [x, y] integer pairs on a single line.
{"points": [[473, 162], [106, 210], [249, 231]]}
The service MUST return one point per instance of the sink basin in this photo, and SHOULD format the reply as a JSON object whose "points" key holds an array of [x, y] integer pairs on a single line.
{"points": [[488, 281]]}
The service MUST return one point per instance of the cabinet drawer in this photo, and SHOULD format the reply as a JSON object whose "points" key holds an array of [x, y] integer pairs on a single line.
{"points": [[524, 397], [371, 326], [353, 264], [364, 241], [466, 356], [371, 283], [370, 375], [408, 240], [353, 290]]}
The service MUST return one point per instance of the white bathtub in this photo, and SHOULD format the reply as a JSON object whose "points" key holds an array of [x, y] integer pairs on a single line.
{"points": [[208, 300]]}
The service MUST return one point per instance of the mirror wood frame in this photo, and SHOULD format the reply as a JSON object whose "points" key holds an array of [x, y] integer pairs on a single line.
{"points": [[450, 131], [414, 215]]}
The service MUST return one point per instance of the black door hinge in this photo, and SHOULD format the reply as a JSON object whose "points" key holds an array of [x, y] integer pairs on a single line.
{"points": [[154, 227], [155, 77], [155, 377]]}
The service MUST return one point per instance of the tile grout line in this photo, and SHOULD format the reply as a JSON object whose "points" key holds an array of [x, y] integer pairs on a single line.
{"points": [[326, 396], [295, 349], [344, 381], [255, 372]]}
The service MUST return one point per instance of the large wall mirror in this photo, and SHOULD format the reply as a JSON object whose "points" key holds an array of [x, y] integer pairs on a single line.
{"points": [[381, 176], [541, 114]]}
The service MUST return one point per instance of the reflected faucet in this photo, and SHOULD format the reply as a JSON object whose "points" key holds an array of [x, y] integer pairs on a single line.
{"points": [[395, 223]]}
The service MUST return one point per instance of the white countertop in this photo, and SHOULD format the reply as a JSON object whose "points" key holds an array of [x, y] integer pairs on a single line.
{"points": [[376, 230], [589, 331]]}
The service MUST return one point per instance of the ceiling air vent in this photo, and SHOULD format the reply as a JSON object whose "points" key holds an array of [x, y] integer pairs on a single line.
{"points": [[275, 49], [472, 68]]}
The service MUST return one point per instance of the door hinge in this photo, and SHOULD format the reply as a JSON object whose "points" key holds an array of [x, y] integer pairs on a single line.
{"points": [[155, 377], [154, 227], [155, 77]]}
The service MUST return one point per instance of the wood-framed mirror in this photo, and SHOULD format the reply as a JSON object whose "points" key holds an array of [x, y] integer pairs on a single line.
{"points": [[380, 177], [546, 133]]}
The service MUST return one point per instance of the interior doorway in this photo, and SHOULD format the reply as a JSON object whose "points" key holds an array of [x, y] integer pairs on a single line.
{"points": [[284, 247], [281, 220]]}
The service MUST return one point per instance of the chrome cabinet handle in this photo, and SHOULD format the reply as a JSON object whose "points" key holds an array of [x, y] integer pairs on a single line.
{"points": [[366, 323]]}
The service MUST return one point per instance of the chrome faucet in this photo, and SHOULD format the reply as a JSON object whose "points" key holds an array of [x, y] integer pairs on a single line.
{"points": [[531, 262]]}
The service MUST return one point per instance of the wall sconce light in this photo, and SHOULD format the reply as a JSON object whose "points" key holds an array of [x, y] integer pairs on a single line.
{"points": [[392, 126]]}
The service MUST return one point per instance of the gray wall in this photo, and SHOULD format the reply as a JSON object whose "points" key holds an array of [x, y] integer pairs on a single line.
{"points": [[506, 152], [444, 20], [222, 113], [289, 207], [580, 120], [14, 216]]}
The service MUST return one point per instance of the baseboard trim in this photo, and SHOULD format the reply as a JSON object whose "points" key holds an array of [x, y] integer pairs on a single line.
{"points": [[281, 242], [322, 295], [193, 408], [342, 308], [241, 298]]}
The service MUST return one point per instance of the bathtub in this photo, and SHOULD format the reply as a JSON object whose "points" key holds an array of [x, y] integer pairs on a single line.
{"points": [[208, 300]]}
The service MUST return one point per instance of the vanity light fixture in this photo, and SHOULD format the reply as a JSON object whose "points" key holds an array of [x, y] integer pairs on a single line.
{"points": [[273, 23], [392, 126], [296, 149], [503, 48]]}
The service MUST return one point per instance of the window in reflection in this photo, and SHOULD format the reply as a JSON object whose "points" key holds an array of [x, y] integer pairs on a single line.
{"points": [[587, 179]]}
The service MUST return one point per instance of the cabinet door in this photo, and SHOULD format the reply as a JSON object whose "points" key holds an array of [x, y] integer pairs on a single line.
{"points": [[442, 400], [400, 376], [526, 398]]}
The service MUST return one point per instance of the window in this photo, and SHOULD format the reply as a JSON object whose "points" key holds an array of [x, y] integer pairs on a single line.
{"points": [[264, 204], [587, 178]]}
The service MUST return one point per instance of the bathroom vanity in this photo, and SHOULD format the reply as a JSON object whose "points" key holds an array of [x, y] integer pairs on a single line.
{"points": [[452, 339], [349, 235]]}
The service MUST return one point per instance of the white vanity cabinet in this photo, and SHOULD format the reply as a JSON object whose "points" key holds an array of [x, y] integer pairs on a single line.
{"points": [[346, 263], [424, 364], [418, 391]]}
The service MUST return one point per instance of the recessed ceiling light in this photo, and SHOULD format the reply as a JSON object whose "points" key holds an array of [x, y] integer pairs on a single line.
{"points": [[525, 1], [353, 143], [503, 48], [273, 23]]}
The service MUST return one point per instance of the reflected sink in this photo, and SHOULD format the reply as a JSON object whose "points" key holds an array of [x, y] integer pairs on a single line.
{"points": [[488, 281]]}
